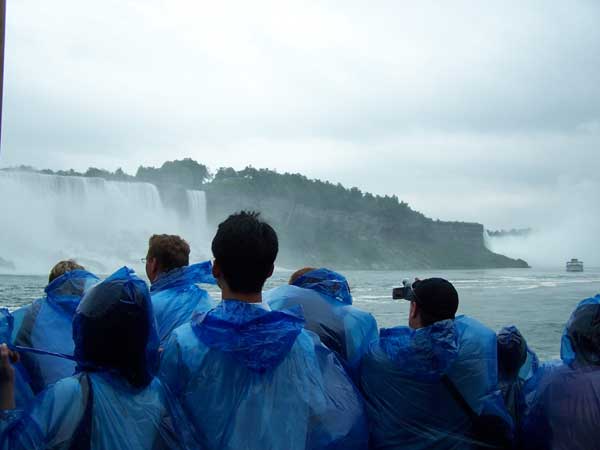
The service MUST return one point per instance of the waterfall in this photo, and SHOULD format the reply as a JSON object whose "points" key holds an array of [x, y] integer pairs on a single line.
{"points": [[197, 208], [102, 224]]}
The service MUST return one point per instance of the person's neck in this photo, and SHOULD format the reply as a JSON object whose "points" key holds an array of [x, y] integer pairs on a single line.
{"points": [[255, 297]]}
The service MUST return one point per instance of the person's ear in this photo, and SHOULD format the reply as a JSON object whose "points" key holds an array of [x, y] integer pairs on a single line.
{"points": [[216, 269], [414, 310], [151, 268], [217, 273], [271, 271]]}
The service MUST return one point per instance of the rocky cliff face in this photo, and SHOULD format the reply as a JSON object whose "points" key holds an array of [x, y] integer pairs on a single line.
{"points": [[356, 240]]}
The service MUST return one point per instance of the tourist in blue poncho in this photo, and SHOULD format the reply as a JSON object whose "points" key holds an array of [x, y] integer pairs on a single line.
{"points": [[565, 409], [517, 364], [114, 401], [46, 324], [252, 378], [425, 385], [175, 294], [327, 304]]}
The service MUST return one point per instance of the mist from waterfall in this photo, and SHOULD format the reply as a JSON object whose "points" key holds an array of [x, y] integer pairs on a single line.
{"points": [[570, 229], [102, 224]]}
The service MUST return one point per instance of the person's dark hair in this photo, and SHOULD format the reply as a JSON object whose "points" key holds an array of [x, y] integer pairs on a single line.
{"points": [[170, 251], [245, 247]]}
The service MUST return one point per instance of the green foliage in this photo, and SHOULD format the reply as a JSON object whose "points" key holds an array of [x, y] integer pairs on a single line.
{"points": [[92, 172], [298, 189], [186, 172]]}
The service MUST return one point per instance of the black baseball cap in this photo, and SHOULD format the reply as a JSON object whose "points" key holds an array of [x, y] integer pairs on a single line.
{"points": [[435, 296]]}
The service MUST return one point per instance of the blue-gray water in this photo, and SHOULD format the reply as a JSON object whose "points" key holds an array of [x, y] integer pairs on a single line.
{"points": [[537, 301]]}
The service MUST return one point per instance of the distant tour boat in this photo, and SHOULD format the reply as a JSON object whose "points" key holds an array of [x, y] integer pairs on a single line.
{"points": [[574, 265]]}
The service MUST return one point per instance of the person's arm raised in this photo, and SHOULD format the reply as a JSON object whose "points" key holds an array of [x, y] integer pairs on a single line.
{"points": [[7, 377]]}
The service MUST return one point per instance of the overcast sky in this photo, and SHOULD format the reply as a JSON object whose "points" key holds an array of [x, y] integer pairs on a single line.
{"points": [[479, 111]]}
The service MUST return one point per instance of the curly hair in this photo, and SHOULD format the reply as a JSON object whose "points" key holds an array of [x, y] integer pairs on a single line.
{"points": [[171, 251]]}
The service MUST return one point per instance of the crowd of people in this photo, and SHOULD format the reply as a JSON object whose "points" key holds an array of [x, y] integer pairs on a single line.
{"points": [[113, 364]]}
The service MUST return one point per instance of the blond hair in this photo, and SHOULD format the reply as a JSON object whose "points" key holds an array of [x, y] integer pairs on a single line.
{"points": [[62, 267]]}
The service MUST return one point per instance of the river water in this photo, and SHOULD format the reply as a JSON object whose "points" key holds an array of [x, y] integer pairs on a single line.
{"points": [[538, 302]]}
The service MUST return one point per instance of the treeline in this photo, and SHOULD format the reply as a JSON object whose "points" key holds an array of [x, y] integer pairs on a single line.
{"points": [[299, 189], [186, 173], [260, 183]]}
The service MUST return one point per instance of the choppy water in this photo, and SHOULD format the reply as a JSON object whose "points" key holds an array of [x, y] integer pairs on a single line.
{"points": [[539, 302]]}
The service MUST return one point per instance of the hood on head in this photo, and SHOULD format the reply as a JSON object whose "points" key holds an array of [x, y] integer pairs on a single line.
{"points": [[425, 353], [200, 273], [66, 290], [512, 351], [257, 338], [328, 283], [580, 344], [114, 329]]}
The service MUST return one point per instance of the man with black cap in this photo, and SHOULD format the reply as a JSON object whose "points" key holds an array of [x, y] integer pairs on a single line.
{"points": [[431, 300], [425, 384]]}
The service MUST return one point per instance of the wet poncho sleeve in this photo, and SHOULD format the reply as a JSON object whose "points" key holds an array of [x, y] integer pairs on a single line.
{"points": [[50, 422], [361, 331]]}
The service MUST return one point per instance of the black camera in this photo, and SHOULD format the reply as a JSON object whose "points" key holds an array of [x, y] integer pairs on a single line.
{"points": [[403, 292]]}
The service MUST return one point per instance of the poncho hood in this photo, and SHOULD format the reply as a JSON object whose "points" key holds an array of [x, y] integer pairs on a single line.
{"points": [[183, 276], [512, 351], [255, 337], [328, 283], [66, 291], [580, 344], [114, 329]]}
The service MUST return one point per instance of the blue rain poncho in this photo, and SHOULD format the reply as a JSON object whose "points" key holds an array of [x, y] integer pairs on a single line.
{"points": [[176, 297], [113, 402], [565, 410], [327, 305], [46, 324], [250, 378], [23, 393], [408, 405], [517, 364]]}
